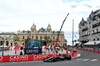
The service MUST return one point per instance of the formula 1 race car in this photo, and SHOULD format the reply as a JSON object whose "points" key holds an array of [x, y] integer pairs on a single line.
{"points": [[57, 58]]}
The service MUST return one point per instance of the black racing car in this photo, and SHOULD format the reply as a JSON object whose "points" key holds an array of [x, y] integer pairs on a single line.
{"points": [[57, 58]]}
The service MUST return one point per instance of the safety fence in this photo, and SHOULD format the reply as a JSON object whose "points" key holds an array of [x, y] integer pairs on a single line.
{"points": [[92, 50], [17, 58], [18, 47]]}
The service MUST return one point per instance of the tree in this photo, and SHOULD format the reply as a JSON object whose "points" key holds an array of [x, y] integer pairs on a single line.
{"points": [[76, 44], [16, 40], [47, 39]]}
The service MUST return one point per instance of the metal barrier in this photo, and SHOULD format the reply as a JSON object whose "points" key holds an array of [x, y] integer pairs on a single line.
{"points": [[14, 58], [92, 50]]}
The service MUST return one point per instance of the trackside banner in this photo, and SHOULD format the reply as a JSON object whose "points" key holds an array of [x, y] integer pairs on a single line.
{"points": [[14, 58], [33, 46]]}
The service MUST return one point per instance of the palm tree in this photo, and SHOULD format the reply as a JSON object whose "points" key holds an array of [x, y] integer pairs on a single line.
{"points": [[76, 44]]}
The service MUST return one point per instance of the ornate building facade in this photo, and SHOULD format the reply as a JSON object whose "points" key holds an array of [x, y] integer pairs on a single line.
{"points": [[39, 34], [89, 30], [7, 38]]}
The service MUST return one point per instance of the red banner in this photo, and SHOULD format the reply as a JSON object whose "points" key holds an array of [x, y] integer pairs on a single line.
{"points": [[13, 58]]}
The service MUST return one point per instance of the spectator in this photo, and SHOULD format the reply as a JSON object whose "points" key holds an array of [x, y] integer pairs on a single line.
{"points": [[21, 48], [21, 53]]}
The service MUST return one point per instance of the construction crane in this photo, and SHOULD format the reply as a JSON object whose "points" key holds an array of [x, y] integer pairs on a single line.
{"points": [[61, 28]]}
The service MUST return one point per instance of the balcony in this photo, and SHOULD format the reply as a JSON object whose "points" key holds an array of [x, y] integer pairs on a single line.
{"points": [[85, 29], [85, 35], [95, 33], [96, 25]]}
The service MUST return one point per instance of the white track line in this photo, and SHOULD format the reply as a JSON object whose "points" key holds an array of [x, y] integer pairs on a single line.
{"points": [[85, 59], [94, 60], [78, 55], [78, 59]]}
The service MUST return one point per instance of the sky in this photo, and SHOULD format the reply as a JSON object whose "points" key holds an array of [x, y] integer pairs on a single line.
{"points": [[21, 14]]}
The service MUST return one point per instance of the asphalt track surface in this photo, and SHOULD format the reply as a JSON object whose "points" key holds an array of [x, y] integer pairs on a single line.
{"points": [[86, 59]]}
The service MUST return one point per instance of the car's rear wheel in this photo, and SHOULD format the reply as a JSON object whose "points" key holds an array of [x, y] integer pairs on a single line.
{"points": [[47, 57], [69, 58], [44, 59]]}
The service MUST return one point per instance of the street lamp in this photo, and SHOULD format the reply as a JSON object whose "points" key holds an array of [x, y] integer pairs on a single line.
{"points": [[15, 46], [94, 45], [3, 47]]}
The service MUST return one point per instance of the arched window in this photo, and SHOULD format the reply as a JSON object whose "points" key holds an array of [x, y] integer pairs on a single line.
{"points": [[97, 30], [40, 37], [11, 43], [97, 39], [27, 37], [93, 39], [1, 43], [36, 37], [7, 43], [32, 37], [53, 37], [23, 37]]}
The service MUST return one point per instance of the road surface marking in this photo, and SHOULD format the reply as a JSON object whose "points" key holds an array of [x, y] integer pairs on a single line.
{"points": [[37, 61], [85, 59], [94, 60], [78, 55], [78, 59]]}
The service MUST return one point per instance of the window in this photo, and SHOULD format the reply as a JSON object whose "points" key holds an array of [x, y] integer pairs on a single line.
{"points": [[89, 22], [40, 37], [36, 37], [97, 30], [11, 43], [1, 43], [93, 31], [23, 37], [93, 39], [53, 37], [48, 36], [97, 39], [27, 37], [32, 37], [7, 43]]}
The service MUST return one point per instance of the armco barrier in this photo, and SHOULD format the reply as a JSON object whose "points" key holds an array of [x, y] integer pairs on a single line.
{"points": [[92, 50], [14, 58]]}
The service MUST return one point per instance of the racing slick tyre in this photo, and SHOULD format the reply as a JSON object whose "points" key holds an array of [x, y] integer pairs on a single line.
{"points": [[44, 60], [47, 57], [69, 58]]}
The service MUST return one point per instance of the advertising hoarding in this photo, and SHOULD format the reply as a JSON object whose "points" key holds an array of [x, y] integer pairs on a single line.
{"points": [[33, 46]]}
